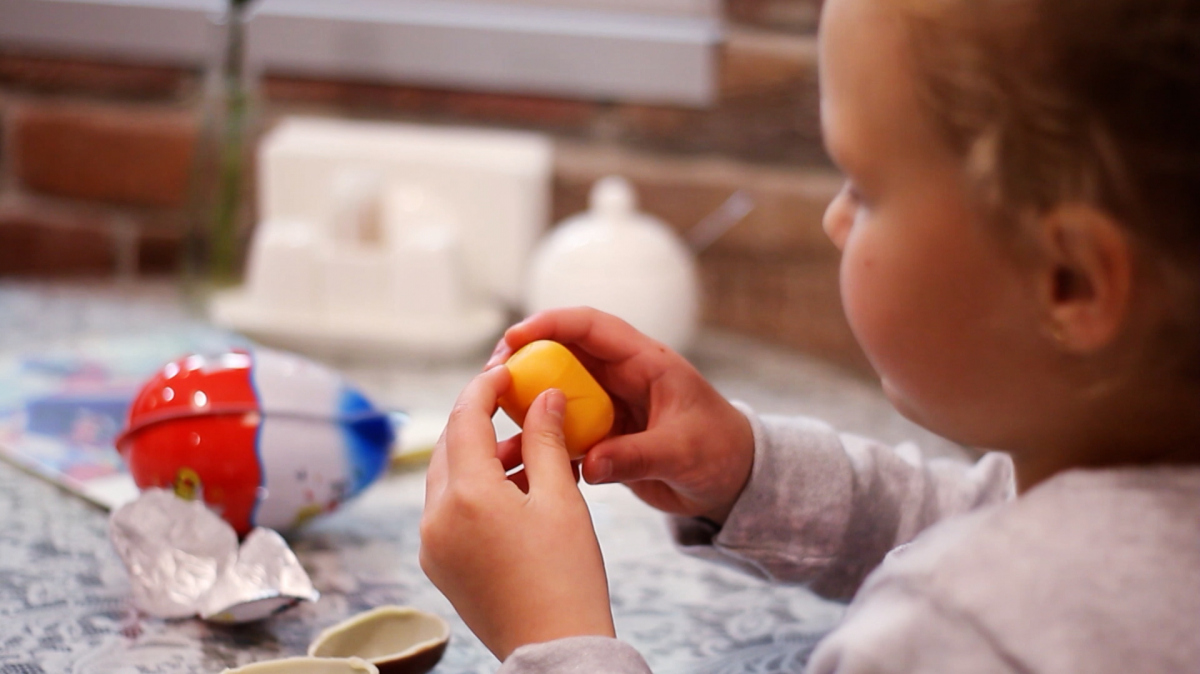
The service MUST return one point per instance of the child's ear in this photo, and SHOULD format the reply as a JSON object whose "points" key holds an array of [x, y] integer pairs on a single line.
{"points": [[1086, 278]]}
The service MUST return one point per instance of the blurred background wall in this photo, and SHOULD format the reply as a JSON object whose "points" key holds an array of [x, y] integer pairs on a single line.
{"points": [[97, 149]]}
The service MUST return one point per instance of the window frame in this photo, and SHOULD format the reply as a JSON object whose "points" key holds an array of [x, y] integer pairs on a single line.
{"points": [[650, 51]]}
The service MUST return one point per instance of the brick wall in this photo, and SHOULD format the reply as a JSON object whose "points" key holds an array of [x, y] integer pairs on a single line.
{"points": [[95, 160]]}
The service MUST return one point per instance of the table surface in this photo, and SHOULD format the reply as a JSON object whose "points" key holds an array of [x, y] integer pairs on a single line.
{"points": [[64, 595]]}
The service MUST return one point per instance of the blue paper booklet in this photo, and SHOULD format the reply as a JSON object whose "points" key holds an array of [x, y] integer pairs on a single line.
{"points": [[62, 406]]}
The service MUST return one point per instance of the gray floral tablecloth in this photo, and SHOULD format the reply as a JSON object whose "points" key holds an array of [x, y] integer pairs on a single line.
{"points": [[64, 604]]}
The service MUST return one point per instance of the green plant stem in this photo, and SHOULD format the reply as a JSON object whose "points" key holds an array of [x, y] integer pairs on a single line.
{"points": [[231, 160]]}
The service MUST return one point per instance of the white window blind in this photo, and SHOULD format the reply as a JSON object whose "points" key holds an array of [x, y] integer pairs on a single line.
{"points": [[642, 50]]}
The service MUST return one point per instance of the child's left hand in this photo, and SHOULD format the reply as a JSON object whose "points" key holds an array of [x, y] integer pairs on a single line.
{"points": [[519, 566]]}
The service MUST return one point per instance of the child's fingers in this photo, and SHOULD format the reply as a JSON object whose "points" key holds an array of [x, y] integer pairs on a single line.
{"points": [[509, 452], [500, 354], [598, 334], [546, 460], [470, 438], [629, 458], [520, 479], [435, 475]]}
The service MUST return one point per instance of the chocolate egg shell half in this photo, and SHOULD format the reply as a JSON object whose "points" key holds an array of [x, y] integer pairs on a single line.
{"points": [[396, 639], [307, 665]]}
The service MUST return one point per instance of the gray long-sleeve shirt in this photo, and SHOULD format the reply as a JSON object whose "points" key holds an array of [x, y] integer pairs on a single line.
{"points": [[1093, 571]]}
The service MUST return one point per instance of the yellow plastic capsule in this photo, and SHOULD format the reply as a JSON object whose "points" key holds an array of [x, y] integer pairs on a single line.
{"points": [[544, 365]]}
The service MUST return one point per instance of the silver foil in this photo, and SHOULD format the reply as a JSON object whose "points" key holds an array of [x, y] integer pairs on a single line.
{"points": [[184, 560]]}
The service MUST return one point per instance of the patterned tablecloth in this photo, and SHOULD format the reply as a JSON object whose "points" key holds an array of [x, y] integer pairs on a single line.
{"points": [[64, 604]]}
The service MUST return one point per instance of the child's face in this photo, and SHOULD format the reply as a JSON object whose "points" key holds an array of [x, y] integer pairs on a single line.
{"points": [[945, 314]]}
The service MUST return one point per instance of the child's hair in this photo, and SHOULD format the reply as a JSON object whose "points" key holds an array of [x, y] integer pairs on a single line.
{"points": [[1095, 101]]}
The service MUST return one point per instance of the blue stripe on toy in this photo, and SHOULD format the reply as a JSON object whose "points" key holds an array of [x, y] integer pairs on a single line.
{"points": [[368, 434]]}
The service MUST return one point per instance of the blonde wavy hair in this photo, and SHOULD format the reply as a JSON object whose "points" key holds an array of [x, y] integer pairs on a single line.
{"points": [[1051, 100], [1095, 101]]}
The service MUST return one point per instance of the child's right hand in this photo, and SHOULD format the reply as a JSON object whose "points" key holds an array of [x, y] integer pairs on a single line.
{"points": [[676, 442]]}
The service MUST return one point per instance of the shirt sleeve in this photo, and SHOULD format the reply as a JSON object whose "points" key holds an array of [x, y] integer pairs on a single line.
{"points": [[823, 508], [576, 654], [907, 633]]}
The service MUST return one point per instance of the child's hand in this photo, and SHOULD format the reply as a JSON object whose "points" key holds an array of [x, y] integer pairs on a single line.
{"points": [[517, 558], [676, 442]]}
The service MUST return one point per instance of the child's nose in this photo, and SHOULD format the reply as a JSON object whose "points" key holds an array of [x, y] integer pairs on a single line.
{"points": [[839, 216]]}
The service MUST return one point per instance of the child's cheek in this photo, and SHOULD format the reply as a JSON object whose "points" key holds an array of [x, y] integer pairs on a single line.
{"points": [[859, 291], [877, 300]]}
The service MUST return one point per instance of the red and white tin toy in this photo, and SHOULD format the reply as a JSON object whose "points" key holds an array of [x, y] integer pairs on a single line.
{"points": [[264, 438]]}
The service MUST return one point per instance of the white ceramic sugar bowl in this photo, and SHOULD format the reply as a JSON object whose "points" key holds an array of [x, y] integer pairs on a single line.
{"points": [[621, 261]]}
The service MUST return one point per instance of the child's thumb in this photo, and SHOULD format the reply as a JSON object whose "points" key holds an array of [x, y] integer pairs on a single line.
{"points": [[543, 446]]}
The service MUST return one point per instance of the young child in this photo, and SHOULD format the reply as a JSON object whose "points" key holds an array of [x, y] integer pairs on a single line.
{"points": [[1020, 231]]}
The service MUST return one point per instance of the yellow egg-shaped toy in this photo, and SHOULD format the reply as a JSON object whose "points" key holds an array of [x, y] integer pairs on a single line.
{"points": [[544, 365]]}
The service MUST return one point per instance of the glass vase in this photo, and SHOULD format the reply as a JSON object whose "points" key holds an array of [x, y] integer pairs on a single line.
{"points": [[219, 210]]}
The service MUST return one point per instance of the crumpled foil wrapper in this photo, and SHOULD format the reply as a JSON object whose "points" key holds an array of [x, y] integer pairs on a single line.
{"points": [[184, 560]]}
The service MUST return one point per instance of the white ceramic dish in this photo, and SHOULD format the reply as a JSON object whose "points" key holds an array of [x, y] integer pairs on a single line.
{"points": [[369, 338]]}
